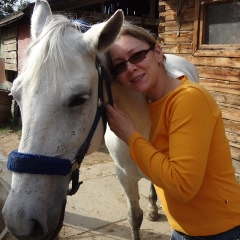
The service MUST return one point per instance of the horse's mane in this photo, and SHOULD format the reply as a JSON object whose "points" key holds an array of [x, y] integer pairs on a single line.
{"points": [[47, 52]]}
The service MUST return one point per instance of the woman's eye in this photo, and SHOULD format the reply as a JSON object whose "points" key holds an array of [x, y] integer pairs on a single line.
{"points": [[77, 101]]}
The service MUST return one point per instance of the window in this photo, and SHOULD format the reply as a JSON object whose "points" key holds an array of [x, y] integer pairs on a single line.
{"points": [[216, 28]]}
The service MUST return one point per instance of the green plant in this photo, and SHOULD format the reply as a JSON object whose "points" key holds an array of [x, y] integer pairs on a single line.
{"points": [[10, 128]]}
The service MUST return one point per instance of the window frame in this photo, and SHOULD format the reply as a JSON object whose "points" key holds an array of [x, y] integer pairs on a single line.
{"points": [[201, 49]]}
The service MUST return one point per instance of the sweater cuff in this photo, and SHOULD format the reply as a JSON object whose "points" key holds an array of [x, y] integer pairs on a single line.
{"points": [[133, 137]]}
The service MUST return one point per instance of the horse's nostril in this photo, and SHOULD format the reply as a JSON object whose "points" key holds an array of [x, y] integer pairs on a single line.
{"points": [[37, 230]]}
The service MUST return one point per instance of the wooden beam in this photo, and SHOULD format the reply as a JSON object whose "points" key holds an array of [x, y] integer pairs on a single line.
{"points": [[91, 16], [69, 5], [152, 9]]}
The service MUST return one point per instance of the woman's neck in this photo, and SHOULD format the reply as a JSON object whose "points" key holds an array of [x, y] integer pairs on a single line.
{"points": [[162, 88]]}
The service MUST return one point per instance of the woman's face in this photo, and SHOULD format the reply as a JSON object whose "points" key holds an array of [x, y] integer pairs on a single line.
{"points": [[141, 76]]}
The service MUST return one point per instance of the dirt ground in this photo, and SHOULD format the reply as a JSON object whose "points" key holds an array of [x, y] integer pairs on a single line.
{"points": [[9, 141], [115, 227]]}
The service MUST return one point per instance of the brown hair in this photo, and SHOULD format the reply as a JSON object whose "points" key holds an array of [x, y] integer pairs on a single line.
{"points": [[136, 32]]}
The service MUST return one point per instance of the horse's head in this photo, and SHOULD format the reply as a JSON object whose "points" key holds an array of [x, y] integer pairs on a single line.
{"points": [[57, 92]]}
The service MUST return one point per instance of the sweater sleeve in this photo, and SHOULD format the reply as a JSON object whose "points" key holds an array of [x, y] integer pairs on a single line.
{"points": [[191, 120]]}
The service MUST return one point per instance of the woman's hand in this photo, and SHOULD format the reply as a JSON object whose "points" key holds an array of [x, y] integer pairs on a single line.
{"points": [[120, 122]]}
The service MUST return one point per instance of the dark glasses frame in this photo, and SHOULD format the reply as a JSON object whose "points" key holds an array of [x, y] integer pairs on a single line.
{"points": [[137, 57]]}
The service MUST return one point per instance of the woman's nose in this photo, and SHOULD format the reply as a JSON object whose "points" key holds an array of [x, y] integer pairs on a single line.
{"points": [[131, 67]]}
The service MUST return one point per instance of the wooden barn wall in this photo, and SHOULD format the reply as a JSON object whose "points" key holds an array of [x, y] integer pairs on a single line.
{"points": [[219, 74], [10, 48]]}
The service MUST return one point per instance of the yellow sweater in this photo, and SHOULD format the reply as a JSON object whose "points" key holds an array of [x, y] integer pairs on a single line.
{"points": [[188, 159]]}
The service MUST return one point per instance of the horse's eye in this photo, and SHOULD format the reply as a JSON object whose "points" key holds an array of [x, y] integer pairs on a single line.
{"points": [[76, 101]]}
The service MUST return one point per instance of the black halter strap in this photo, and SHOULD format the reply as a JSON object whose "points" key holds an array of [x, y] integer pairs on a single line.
{"points": [[102, 76], [100, 110]]}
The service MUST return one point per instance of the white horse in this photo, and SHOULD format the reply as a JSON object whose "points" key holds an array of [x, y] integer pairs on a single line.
{"points": [[57, 92]]}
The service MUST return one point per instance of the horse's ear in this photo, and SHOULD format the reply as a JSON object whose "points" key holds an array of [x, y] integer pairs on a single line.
{"points": [[41, 14], [101, 36]]}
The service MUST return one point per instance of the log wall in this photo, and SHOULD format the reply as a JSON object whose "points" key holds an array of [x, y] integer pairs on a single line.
{"points": [[10, 49], [219, 72]]}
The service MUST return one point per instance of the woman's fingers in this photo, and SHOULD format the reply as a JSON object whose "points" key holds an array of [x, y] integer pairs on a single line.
{"points": [[120, 122], [113, 110]]}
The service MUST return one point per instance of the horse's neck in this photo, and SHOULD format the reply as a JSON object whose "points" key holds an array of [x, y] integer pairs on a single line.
{"points": [[135, 105]]}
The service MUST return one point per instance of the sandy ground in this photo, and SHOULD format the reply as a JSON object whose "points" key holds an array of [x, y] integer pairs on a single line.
{"points": [[97, 222], [9, 141]]}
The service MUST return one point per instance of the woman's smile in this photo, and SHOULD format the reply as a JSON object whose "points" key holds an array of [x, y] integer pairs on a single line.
{"points": [[138, 78]]}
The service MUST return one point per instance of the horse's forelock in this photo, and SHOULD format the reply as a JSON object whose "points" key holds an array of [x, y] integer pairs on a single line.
{"points": [[47, 53]]}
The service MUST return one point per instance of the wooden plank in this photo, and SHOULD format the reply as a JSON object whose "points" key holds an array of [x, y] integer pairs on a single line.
{"points": [[161, 8], [218, 53], [220, 46], [185, 7], [188, 4], [219, 73], [187, 15], [177, 48], [10, 47], [174, 23], [231, 127], [219, 86], [169, 16], [172, 26], [214, 61], [196, 26], [10, 41], [185, 37], [225, 98], [201, 29], [235, 152], [161, 29], [10, 44], [235, 161], [11, 55], [234, 139], [232, 114], [11, 67], [234, 144], [11, 61]]}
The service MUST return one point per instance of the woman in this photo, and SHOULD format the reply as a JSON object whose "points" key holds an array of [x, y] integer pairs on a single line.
{"points": [[187, 155]]}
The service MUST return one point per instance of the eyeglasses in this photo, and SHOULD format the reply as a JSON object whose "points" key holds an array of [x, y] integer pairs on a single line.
{"points": [[134, 59]]}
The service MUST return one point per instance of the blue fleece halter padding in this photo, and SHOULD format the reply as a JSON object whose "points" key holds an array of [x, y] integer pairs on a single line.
{"points": [[83, 25], [38, 164]]}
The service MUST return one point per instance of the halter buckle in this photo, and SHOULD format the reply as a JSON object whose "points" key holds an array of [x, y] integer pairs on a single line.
{"points": [[75, 182], [100, 102]]}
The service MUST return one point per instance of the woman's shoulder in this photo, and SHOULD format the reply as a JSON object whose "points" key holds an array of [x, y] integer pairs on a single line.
{"points": [[194, 88], [195, 94]]}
